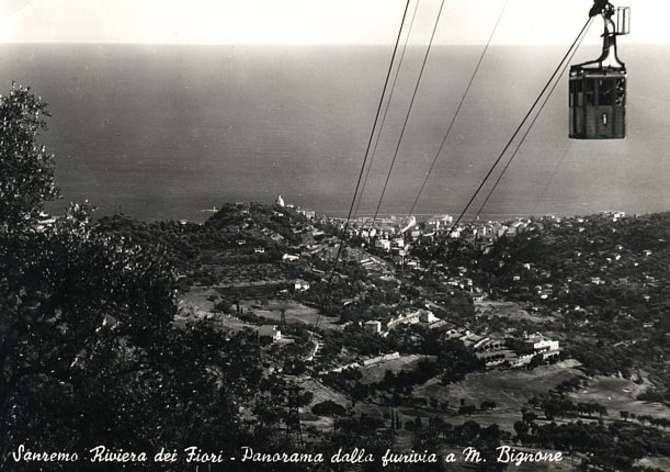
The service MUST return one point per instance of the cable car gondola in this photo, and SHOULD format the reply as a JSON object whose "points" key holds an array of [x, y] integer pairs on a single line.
{"points": [[598, 88]]}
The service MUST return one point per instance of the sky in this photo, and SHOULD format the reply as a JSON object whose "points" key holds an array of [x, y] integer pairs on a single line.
{"points": [[311, 22]]}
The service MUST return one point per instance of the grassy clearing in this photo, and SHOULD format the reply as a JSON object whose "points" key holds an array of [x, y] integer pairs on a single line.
{"points": [[375, 373], [197, 305], [197, 297], [617, 395], [660, 463], [323, 393], [508, 310], [510, 389], [295, 312]]}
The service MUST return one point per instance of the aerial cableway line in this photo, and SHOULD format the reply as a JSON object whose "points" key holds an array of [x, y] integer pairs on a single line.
{"points": [[519, 128], [389, 100], [367, 149], [409, 110], [459, 107], [597, 92], [528, 129]]}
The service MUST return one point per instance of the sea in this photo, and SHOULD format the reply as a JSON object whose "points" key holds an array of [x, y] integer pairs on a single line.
{"points": [[163, 132]]}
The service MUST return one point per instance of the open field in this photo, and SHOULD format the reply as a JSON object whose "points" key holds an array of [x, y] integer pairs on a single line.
{"points": [[197, 297], [295, 312], [508, 310], [322, 392], [233, 275], [617, 395], [510, 389], [226, 322], [660, 463], [195, 303], [376, 372]]}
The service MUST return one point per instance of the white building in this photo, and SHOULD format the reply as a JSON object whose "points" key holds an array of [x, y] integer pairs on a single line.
{"points": [[301, 286], [44, 221], [383, 244], [269, 333], [373, 327], [428, 317], [541, 345]]}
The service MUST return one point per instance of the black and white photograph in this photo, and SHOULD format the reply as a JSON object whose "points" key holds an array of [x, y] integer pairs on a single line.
{"points": [[334, 235]]}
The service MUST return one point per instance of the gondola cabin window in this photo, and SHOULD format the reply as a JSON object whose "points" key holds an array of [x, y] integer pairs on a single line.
{"points": [[597, 104]]}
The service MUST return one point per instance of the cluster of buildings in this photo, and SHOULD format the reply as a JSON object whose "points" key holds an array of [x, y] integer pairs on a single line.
{"points": [[365, 363], [280, 203], [420, 316], [498, 352], [44, 221], [396, 236], [495, 351]]}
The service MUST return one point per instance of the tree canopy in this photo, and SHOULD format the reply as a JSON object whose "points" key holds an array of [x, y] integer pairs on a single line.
{"points": [[89, 350]]}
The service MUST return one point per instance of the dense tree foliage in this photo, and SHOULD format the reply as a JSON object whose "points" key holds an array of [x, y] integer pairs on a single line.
{"points": [[89, 352], [601, 281], [26, 168]]}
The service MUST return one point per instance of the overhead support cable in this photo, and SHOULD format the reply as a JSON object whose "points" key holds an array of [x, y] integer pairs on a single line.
{"points": [[409, 111], [454, 118], [519, 128], [367, 149], [530, 127], [373, 153]]}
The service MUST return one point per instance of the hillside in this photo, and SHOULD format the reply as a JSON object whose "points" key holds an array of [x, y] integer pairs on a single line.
{"points": [[600, 281], [377, 345]]}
